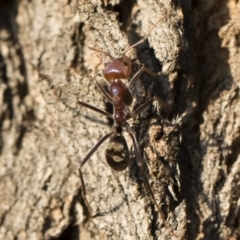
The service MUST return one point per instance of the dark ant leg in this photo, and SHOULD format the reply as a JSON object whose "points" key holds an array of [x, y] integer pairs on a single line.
{"points": [[144, 69], [89, 106], [149, 72], [140, 165], [103, 139], [145, 106], [84, 195], [103, 91], [99, 86]]}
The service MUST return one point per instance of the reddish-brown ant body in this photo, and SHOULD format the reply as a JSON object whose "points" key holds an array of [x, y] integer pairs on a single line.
{"points": [[117, 152]]}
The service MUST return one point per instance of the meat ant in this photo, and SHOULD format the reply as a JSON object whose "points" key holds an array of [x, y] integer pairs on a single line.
{"points": [[117, 151]]}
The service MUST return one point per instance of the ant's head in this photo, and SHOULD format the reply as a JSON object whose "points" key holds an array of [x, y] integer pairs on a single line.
{"points": [[121, 67], [118, 68]]}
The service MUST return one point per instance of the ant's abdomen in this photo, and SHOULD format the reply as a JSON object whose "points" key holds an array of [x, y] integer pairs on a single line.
{"points": [[117, 153]]}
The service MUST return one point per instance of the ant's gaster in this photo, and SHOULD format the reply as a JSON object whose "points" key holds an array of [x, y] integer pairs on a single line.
{"points": [[117, 152]]}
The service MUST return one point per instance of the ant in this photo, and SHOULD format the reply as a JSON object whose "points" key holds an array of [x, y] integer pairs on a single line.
{"points": [[117, 151]]}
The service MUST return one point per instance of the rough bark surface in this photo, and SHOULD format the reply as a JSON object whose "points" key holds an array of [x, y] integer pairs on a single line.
{"points": [[191, 149]]}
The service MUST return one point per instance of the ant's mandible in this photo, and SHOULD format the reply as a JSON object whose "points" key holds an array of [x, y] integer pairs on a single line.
{"points": [[117, 152]]}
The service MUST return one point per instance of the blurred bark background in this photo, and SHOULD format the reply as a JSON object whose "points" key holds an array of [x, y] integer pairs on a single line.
{"points": [[191, 150]]}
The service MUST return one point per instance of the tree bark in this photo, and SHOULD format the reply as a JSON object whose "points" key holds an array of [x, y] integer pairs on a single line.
{"points": [[190, 148]]}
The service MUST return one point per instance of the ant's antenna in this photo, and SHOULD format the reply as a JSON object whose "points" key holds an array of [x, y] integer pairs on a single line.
{"points": [[100, 51], [147, 35]]}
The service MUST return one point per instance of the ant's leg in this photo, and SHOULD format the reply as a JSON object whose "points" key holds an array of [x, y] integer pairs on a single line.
{"points": [[84, 195], [140, 165], [149, 72], [144, 69], [145, 106], [103, 91], [103, 139], [100, 87], [88, 106]]}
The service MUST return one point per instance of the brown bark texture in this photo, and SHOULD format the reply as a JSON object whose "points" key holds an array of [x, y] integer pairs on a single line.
{"points": [[190, 148]]}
